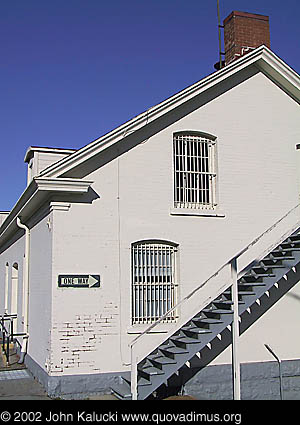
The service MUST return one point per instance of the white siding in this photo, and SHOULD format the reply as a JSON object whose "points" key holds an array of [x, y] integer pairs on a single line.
{"points": [[256, 125]]}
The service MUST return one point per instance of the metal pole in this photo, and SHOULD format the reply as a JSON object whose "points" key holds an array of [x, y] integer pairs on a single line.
{"points": [[12, 329], [7, 349], [235, 334], [134, 374], [3, 335], [280, 371], [219, 30]]}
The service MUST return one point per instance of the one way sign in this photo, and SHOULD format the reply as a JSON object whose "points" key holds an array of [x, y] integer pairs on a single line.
{"points": [[79, 281]]}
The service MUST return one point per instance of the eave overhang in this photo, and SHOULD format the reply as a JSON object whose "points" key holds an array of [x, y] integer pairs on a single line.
{"points": [[36, 194]]}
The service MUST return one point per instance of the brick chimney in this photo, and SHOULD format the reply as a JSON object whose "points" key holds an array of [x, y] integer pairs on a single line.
{"points": [[244, 32]]}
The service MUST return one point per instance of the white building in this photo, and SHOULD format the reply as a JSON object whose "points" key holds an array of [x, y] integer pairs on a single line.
{"points": [[106, 239]]}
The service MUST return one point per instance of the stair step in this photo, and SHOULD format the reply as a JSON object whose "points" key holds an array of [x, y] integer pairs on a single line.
{"points": [[196, 330], [286, 250], [277, 257], [240, 293], [122, 391], [185, 339], [253, 284], [253, 277], [217, 311], [220, 311], [264, 274], [151, 370], [225, 302], [289, 242], [274, 266], [294, 238], [142, 382], [228, 302], [207, 320], [162, 360], [172, 349]]}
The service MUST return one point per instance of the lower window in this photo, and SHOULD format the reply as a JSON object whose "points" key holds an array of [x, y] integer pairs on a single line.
{"points": [[154, 288]]}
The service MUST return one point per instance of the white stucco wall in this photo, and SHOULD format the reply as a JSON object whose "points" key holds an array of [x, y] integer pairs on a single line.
{"points": [[39, 288], [13, 256], [256, 125], [40, 292]]}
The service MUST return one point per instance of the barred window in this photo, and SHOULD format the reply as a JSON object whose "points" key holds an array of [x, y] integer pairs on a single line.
{"points": [[194, 170], [154, 287]]}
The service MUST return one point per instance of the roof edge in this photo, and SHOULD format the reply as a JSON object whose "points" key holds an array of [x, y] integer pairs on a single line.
{"points": [[31, 149], [37, 192], [261, 53]]}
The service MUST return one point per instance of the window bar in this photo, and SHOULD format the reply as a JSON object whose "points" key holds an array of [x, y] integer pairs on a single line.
{"points": [[134, 265], [197, 170], [206, 177], [201, 172], [160, 279], [209, 175], [137, 307], [185, 171], [175, 171], [164, 287], [213, 176], [195, 174], [133, 307], [140, 316], [138, 283], [147, 283], [167, 284]]}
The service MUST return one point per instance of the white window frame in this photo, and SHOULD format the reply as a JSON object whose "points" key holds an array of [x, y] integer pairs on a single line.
{"points": [[154, 281], [14, 289], [195, 171]]}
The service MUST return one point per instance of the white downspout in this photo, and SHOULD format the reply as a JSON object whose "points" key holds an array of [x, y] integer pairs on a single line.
{"points": [[26, 288]]}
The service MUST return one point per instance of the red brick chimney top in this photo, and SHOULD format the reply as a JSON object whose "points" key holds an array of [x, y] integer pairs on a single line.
{"points": [[244, 32], [246, 15]]}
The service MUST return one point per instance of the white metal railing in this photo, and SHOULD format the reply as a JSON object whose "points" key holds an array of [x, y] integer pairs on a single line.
{"points": [[232, 264]]}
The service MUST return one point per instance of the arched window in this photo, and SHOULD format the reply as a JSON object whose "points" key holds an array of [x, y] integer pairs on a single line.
{"points": [[14, 289], [154, 281], [194, 170]]}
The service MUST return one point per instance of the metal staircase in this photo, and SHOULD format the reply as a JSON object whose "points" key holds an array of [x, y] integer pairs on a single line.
{"points": [[197, 342]]}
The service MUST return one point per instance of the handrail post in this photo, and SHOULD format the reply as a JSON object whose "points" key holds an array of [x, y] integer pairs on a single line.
{"points": [[3, 334], [7, 349], [134, 374], [235, 333], [12, 329], [280, 371]]}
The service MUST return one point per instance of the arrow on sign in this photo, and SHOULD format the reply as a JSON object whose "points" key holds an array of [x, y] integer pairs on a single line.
{"points": [[92, 281]]}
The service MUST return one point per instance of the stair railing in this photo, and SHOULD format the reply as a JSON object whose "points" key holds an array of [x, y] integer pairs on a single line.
{"points": [[232, 263], [8, 334]]}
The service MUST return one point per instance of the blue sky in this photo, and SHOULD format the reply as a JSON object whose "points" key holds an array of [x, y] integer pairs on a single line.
{"points": [[72, 70]]}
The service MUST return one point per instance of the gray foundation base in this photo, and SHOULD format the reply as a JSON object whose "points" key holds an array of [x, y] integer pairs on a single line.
{"points": [[259, 381], [72, 386]]}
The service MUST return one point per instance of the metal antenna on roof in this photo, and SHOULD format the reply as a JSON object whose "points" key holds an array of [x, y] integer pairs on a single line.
{"points": [[219, 31]]}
